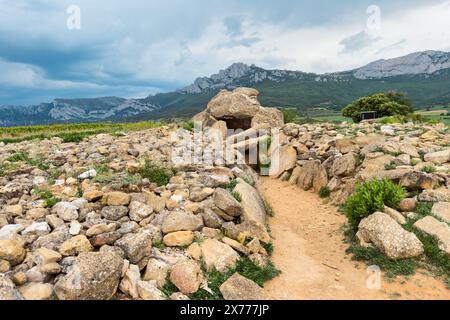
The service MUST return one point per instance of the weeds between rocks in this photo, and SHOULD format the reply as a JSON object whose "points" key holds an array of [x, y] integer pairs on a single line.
{"points": [[49, 198], [37, 162], [324, 192], [156, 173], [244, 267], [434, 260]]}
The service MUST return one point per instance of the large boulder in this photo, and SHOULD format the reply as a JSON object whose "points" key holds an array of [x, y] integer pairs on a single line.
{"points": [[241, 103], [94, 276], [12, 251], [438, 157], [218, 255], [181, 221], [344, 166], [388, 236], [8, 290], [312, 174], [238, 287], [253, 207], [268, 116], [136, 246], [283, 158], [438, 230], [442, 211], [186, 276]]}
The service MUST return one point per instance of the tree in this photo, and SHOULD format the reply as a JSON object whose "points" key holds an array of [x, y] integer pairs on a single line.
{"points": [[390, 104]]}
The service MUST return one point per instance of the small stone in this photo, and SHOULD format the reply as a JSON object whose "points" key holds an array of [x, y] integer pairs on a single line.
{"points": [[9, 232], [157, 270], [37, 228], [181, 221], [236, 245], [238, 287], [88, 174], [19, 278], [178, 296], [94, 276], [407, 205], [136, 246], [114, 213], [12, 251], [75, 246], [148, 291], [13, 210], [218, 255], [394, 214], [36, 213], [128, 285], [54, 221], [75, 228], [438, 230], [66, 211], [442, 211], [186, 276], [5, 266], [179, 239], [139, 211], [92, 195], [118, 199], [224, 200], [100, 228], [8, 290], [36, 291]]}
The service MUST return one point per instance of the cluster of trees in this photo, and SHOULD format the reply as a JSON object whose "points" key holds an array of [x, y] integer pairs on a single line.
{"points": [[385, 104]]}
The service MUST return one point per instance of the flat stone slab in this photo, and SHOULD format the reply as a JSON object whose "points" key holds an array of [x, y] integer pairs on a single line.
{"points": [[438, 230], [442, 211]]}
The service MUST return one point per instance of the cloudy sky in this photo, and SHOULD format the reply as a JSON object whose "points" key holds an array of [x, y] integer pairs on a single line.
{"points": [[134, 48]]}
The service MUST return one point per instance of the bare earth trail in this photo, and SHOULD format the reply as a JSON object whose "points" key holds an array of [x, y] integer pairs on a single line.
{"points": [[310, 252]]}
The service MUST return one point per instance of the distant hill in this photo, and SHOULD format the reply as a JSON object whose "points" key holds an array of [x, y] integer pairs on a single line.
{"points": [[424, 76]]}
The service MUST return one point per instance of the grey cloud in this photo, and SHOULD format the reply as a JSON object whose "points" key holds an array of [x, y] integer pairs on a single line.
{"points": [[357, 42]]}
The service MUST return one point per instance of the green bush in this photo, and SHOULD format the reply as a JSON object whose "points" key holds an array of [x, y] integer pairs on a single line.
{"points": [[370, 197], [47, 196], [324, 192], [189, 125], [155, 173], [429, 169], [383, 104]]}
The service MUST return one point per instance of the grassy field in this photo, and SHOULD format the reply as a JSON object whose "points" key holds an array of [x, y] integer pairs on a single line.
{"points": [[70, 132]]}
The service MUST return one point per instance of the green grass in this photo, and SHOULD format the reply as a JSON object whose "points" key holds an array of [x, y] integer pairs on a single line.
{"points": [[390, 166], [69, 132], [324, 192], [434, 260], [168, 288], [231, 185], [49, 199], [429, 169], [156, 173], [268, 247], [237, 196], [37, 162], [244, 267]]}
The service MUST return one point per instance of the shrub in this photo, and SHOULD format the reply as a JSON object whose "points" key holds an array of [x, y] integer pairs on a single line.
{"points": [[390, 166], [47, 196], [290, 116], [383, 104], [370, 197], [237, 196], [155, 173], [189, 125], [324, 192], [429, 169]]}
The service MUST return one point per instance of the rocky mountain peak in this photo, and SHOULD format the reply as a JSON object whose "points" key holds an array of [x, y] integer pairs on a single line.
{"points": [[425, 62]]}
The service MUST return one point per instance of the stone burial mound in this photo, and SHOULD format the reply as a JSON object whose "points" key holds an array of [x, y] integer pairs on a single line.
{"points": [[245, 126]]}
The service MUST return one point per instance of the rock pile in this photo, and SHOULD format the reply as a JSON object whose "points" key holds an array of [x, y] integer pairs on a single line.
{"points": [[86, 226]]}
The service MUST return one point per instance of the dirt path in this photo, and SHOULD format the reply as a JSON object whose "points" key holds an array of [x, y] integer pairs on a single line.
{"points": [[310, 252]]}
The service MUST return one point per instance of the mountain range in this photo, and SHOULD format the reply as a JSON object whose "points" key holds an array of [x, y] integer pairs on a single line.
{"points": [[423, 76]]}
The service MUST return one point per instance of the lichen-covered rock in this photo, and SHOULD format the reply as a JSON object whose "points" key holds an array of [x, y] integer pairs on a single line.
{"points": [[181, 221], [8, 290], [186, 276], [12, 251], [136, 246], [238, 287], [218, 255], [438, 230], [93, 276], [442, 211], [388, 236]]}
